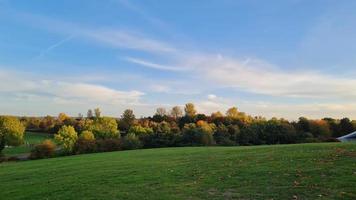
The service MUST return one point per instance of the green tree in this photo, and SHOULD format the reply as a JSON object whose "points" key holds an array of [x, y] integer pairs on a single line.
{"points": [[11, 131], [104, 128], [127, 120], [131, 141], [190, 110], [66, 137], [139, 130]]}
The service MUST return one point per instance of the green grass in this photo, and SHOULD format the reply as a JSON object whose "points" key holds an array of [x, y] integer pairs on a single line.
{"points": [[305, 171], [31, 138]]}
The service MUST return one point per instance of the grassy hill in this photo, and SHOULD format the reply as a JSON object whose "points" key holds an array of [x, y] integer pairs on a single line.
{"points": [[306, 171]]}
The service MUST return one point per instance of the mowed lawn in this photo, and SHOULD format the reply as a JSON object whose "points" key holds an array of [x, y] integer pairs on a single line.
{"points": [[303, 171], [30, 139]]}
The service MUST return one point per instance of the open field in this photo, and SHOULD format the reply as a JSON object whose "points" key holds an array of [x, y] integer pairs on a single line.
{"points": [[31, 138], [304, 171]]}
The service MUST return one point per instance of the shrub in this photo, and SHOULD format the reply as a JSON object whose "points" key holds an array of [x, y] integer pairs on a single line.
{"points": [[85, 146], [330, 139], [131, 141], [44, 150], [66, 137], [106, 145]]}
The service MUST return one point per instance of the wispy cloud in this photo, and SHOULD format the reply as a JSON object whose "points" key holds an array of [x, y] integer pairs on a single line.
{"points": [[260, 77], [153, 65], [142, 12], [50, 48], [116, 38]]}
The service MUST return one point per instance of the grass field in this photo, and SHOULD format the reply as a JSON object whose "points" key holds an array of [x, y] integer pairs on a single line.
{"points": [[31, 138], [305, 171]]}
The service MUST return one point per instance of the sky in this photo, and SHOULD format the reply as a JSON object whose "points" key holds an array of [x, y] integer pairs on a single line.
{"points": [[278, 58]]}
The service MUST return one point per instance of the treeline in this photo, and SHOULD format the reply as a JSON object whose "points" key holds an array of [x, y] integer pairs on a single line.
{"points": [[180, 127], [177, 127]]}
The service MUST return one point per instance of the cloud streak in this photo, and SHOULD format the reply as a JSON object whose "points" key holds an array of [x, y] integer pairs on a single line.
{"points": [[50, 48]]}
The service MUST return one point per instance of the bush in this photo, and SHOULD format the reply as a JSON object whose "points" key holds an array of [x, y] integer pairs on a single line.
{"points": [[106, 145], [131, 141], [44, 150], [330, 139], [85, 146]]}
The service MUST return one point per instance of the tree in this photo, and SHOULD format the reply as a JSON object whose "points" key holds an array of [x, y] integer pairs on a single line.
{"points": [[80, 116], [104, 128], [216, 115], [131, 141], [127, 120], [346, 126], [176, 112], [320, 129], [161, 112], [198, 134], [190, 110], [161, 115], [97, 112], [304, 124], [140, 131], [11, 132], [66, 137], [87, 135], [62, 117], [232, 113], [47, 123], [90, 114]]}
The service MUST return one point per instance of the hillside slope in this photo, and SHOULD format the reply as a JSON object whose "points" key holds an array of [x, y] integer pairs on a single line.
{"points": [[306, 171]]}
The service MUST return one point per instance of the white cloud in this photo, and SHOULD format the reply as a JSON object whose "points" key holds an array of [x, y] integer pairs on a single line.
{"points": [[263, 78], [212, 96], [27, 87], [260, 77]]}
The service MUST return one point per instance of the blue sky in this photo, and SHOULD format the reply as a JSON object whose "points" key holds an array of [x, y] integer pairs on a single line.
{"points": [[283, 58]]}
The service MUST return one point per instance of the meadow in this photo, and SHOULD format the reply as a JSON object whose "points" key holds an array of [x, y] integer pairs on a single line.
{"points": [[30, 139], [298, 171]]}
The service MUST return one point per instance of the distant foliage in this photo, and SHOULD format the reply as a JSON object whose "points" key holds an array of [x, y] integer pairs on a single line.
{"points": [[11, 131], [87, 135], [131, 141], [104, 128], [46, 149], [176, 127], [106, 145]]}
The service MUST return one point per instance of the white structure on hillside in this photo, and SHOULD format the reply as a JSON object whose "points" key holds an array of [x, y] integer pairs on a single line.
{"points": [[348, 138]]}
